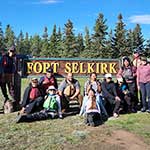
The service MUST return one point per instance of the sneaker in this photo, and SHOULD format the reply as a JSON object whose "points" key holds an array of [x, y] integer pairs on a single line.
{"points": [[148, 110], [143, 109], [115, 115], [20, 118]]}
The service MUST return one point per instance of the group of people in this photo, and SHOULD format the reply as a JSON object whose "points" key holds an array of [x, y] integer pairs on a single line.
{"points": [[44, 98]]}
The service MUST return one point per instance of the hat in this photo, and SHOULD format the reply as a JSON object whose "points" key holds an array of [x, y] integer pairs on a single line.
{"points": [[143, 58], [12, 48], [49, 70], [120, 79], [51, 88], [108, 75]]}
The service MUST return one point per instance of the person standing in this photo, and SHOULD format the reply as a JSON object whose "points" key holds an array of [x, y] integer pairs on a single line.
{"points": [[143, 83], [128, 73], [8, 64]]}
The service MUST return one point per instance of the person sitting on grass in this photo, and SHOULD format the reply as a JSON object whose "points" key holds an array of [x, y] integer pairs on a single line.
{"points": [[125, 95], [92, 110], [47, 80], [93, 83], [69, 89], [109, 93], [33, 98], [51, 108]]}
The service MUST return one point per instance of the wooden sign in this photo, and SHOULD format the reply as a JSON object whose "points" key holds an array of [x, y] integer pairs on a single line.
{"points": [[79, 67]]}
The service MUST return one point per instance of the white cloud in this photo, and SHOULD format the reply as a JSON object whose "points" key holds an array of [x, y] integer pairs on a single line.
{"points": [[47, 2], [141, 19]]}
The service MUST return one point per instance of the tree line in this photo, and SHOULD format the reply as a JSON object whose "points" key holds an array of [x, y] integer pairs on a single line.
{"points": [[101, 43]]}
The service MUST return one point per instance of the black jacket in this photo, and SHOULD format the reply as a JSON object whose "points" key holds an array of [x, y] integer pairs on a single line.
{"points": [[109, 90]]}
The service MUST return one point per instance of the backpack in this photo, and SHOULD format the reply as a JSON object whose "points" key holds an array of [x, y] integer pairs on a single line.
{"points": [[51, 103]]}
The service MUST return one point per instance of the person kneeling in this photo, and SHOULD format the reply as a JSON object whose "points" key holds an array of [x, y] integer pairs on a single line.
{"points": [[52, 108], [92, 113]]}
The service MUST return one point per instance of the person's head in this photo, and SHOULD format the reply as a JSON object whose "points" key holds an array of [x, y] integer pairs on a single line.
{"points": [[93, 76], [91, 92], [70, 77], [51, 90], [49, 72], [120, 81], [143, 60], [34, 82], [136, 53], [11, 51], [108, 77], [126, 61]]}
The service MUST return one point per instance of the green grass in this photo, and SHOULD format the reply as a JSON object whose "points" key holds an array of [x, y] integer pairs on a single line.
{"points": [[138, 123], [59, 134]]}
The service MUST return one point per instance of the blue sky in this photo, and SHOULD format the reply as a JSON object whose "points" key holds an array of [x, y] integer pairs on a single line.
{"points": [[32, 15]]}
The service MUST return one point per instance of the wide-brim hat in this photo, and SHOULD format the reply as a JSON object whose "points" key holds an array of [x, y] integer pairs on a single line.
{"points": [[51, 88]]}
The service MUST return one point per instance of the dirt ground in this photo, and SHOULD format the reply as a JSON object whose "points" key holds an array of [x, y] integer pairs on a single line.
{"points": [[116, 140]]}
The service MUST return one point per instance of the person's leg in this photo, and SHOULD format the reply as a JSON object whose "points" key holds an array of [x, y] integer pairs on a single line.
{"points": [[80, 99], [82, 110], [102, 108], [4, 91], [148, 95], [143, 91], [116, 108]]}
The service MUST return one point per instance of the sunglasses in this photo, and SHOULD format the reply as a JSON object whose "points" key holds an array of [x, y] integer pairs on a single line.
{"points": [[12, 51]]}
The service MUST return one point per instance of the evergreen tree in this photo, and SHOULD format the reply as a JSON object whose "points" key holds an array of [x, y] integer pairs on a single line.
{"points": [[69, 41], [27, 45], [53, 43], [2, 46], [80, 44], [20, 43], [36, 45], [9, 37], [147, 49], [119, 39], [45, 44], [130, 41], [99, 36], [87, 49], [138, 39], [60, 44], [109, 52]]}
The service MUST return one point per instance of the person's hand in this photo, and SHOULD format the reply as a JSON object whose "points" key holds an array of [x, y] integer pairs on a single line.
{"points": [[45, 82], [71, 98], [117, 98], [138, 87]]}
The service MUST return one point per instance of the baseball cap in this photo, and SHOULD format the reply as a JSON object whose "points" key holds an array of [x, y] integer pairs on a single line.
{"points": [[108, 75], [120, 79], [49, 70]]}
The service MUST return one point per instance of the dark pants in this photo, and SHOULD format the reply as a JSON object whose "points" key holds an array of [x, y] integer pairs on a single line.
{"points": [[111, 105], [10, 85], [34, 105], [134, 95], [93, 119], [37, 116], [145, 90]]}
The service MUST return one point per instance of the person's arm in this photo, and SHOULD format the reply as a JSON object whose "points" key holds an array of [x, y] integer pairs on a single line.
{"points": [[41, 81], [119, 74], [61, 88], [77, 92], [105, 92], [138, 77]]}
